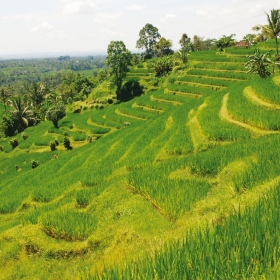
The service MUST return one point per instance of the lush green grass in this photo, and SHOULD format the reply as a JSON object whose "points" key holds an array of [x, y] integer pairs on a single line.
{"points": [[251, 113], [220, 74], [215, 128], [245, 246], [147, 182]]}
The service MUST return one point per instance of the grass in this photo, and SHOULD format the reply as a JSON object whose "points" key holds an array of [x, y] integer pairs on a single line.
{"points": [[178, 193], [216, 252], [251, 113]]}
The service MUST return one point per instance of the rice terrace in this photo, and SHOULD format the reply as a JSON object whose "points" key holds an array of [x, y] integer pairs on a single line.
{"points": [[159, 165]]}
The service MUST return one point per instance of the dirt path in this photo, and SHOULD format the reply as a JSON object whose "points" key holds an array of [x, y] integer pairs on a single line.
{"points": [[251, 95], [224, 115]]}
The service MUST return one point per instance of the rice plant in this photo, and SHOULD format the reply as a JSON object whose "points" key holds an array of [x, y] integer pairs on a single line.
{"points": [[68, 225], [245, 247]]}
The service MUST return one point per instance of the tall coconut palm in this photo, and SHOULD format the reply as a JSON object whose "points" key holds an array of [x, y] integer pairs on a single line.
{"points": [[274, 25], [21, 112]]}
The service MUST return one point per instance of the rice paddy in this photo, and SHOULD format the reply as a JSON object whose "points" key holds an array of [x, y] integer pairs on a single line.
{"points": [[175, 184]]}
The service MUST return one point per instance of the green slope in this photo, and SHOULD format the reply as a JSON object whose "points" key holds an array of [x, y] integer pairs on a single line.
{"points": [[167, 190]]}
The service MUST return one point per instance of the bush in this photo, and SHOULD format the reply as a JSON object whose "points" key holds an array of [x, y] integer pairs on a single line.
{"points": [[53, 145], [14, 143], [1, 149], [66, 143], [24, 135], [34, 164]]}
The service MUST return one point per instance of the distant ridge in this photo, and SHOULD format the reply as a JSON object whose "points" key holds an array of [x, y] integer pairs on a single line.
{"points": [[50, 54]]}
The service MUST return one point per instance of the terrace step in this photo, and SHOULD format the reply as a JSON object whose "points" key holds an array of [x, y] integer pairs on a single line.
{"points": [[221, 70], [202, 85], [117, 111], [184, 94], [90, 122], [212, 77], [200, 141], [224, 115], [147, 108], [176, 103], [252, 96]]}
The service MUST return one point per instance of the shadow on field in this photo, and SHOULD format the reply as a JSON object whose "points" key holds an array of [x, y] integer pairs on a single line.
{"points": [[129, 90]]}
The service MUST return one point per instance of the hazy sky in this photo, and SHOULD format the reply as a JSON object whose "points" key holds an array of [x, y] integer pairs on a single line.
{"points": [[89, 25]]}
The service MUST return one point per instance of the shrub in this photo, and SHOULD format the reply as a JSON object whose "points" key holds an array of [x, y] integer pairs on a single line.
{"points": [[89, 139], [1, 148], [34, 164], [53, 145], [14, 143], [110, 100], [66, 143], [24, 135]]}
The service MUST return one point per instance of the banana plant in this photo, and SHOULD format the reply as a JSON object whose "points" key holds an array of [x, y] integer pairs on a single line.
{"points": [[259, 63]]}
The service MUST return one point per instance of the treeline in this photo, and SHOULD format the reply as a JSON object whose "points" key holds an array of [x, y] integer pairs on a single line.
{"points": [[35, 70]]}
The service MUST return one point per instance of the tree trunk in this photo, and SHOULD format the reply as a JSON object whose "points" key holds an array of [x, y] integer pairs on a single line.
{"points": [[55, 123]]}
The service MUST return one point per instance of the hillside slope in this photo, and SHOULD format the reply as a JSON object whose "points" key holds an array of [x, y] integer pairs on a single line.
{"points": [[182, 160]]}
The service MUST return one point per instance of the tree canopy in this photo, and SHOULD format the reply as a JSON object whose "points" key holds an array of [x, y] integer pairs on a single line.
{"points": [[118, 59], [148, 37], [163, 47], [225, 41], [274, 25]]}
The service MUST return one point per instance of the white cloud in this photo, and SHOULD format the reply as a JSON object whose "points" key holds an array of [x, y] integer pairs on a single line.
{"points": [[80, 7], [201, 12], [107, 18], [111, 33], [43, 26], [135, 7], [168, 17]]}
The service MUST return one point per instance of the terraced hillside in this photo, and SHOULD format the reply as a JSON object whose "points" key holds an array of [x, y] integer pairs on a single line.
{"points": [[181, 182]]}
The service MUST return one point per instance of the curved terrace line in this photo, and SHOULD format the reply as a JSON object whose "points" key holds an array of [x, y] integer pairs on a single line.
{"points": [[224, 115], [252, 96]]}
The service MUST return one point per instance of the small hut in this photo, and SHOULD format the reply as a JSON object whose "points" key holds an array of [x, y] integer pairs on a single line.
{"points": [[241, 44]]}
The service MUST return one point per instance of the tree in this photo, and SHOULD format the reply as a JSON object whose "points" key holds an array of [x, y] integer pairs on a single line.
{"points": [[198, 43], [163, 66], [186, 46], [225, 41], [148, 37], [118, 59], [36, 93], [274, 25], [22, 113], [263, 34], [56, 113], [4, 96], [258, 63], [163, 47], [249, 39]]}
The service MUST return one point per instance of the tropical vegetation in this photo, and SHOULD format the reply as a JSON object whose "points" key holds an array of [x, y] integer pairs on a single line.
{"points": [[160, 165]]}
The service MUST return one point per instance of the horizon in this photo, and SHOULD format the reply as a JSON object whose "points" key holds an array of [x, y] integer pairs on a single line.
{"points": [[77, 26]]}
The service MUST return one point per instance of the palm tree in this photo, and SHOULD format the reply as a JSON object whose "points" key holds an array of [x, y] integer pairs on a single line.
{"points": [[274, 25], [21, 112]]}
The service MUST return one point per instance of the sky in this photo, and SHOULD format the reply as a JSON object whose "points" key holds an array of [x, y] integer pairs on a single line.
{"points": [[67, 26]]}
